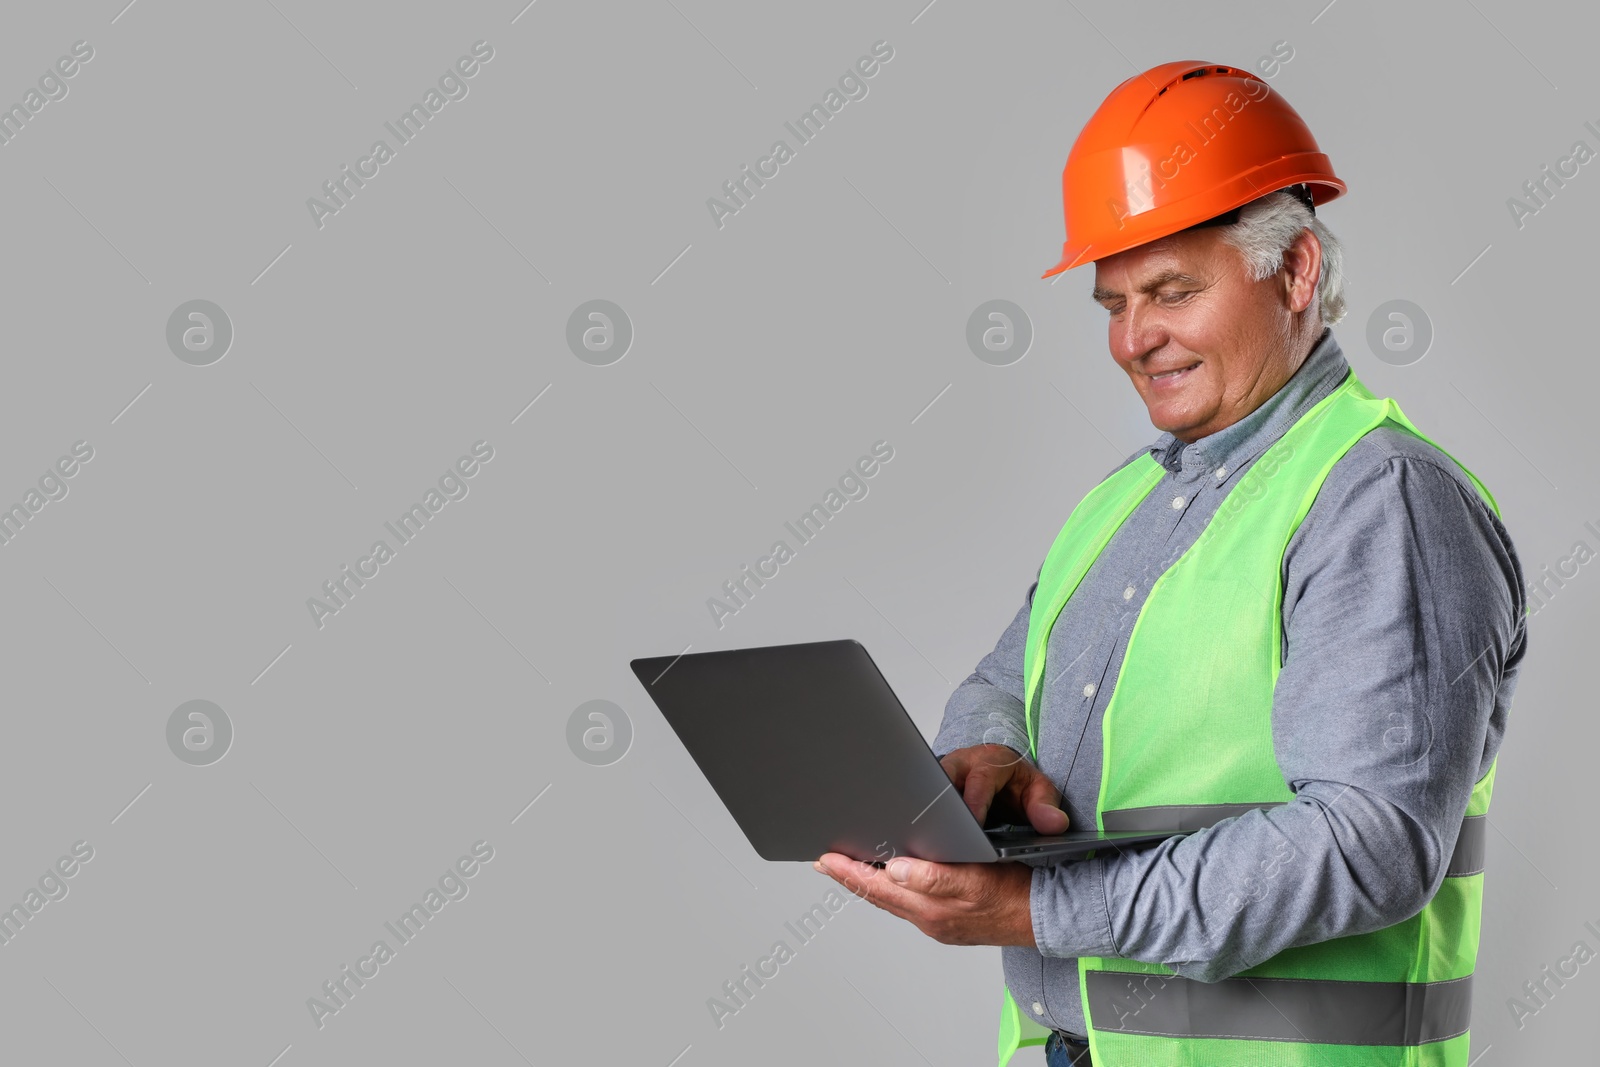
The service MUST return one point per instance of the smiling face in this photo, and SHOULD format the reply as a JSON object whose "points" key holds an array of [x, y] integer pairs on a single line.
{"points": [[1204, 344]]}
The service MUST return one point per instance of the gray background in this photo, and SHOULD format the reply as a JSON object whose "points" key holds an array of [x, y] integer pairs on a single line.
{"points": [[372, 352]]}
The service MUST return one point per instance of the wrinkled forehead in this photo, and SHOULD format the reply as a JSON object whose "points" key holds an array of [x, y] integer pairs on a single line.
{"points": [[1192, 255]]}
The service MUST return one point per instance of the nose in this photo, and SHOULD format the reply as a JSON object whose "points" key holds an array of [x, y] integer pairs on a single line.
{"points": [[1140, 331]]}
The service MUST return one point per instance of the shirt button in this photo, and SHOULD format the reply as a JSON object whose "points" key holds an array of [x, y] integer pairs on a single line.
{"points": [[1222, 472], [1038, 1009], [1127, 594], [1088, 690], [1178, 502]]}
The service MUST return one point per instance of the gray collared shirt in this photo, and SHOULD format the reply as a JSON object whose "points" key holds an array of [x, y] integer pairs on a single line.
{"points": [[1404, 629]]}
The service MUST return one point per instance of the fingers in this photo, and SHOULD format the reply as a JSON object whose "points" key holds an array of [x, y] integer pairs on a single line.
{"points": [[987, 774], [1042, 802], [956, 765], [887, 887], [853, 874], [1047, 819], [867, 882], [953, 903], [922, 876], [970, 774], [979, 791]]}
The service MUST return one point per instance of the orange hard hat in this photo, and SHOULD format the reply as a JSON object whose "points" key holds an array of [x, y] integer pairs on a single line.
{"points": [[1178, 146]]}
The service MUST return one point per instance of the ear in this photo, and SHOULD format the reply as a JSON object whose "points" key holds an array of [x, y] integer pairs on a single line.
{"points": [[1302, 270]]}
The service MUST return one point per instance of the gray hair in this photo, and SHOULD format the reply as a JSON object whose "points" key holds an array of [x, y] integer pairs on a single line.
{"points": [[1268, 226]]}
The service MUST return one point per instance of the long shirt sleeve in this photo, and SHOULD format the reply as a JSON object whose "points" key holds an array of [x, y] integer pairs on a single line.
{"points": [[1404, 627]]}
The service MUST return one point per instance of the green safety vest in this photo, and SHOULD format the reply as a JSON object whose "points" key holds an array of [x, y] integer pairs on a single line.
{"points": [[1187, 742]]}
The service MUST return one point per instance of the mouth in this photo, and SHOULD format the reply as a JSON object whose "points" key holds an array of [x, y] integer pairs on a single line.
{"points": [[1168, 379]]}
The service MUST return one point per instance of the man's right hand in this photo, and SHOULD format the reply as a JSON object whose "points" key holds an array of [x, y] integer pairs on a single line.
{"points": [[998, 777]]}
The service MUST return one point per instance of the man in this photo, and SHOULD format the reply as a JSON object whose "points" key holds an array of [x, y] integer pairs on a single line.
{"points": [[1292, 625]]}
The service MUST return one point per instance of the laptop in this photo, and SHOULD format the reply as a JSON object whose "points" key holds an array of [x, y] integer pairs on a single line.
{"points": [[812, 752]]}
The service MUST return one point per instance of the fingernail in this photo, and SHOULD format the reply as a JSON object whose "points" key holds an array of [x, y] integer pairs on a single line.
{"points": [[900, 869], [818, 867]]}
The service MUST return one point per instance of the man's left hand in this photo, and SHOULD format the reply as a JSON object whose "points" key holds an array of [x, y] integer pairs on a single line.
{"points": [[953, 903]]}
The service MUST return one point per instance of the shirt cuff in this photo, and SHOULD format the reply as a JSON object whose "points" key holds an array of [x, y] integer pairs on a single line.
{"points": [[1070, 915]]}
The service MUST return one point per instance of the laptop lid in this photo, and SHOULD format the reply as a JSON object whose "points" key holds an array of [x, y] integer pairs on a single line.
{"points": [[811, 752]]}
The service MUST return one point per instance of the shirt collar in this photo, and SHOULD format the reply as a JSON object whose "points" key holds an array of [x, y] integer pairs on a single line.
{"points": [[1223, 452]]}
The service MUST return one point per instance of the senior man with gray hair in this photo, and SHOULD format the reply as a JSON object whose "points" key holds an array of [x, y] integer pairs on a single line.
{"points": [[1291, 627]]}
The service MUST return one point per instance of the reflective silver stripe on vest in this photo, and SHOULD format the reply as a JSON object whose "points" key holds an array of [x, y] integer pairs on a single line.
{"points": [[1468, 857], [1280, 1009], [1178, 816], [1471, 846]]}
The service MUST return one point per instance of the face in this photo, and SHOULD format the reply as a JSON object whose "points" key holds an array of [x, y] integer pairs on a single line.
{"points": [[1203, 344]]}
